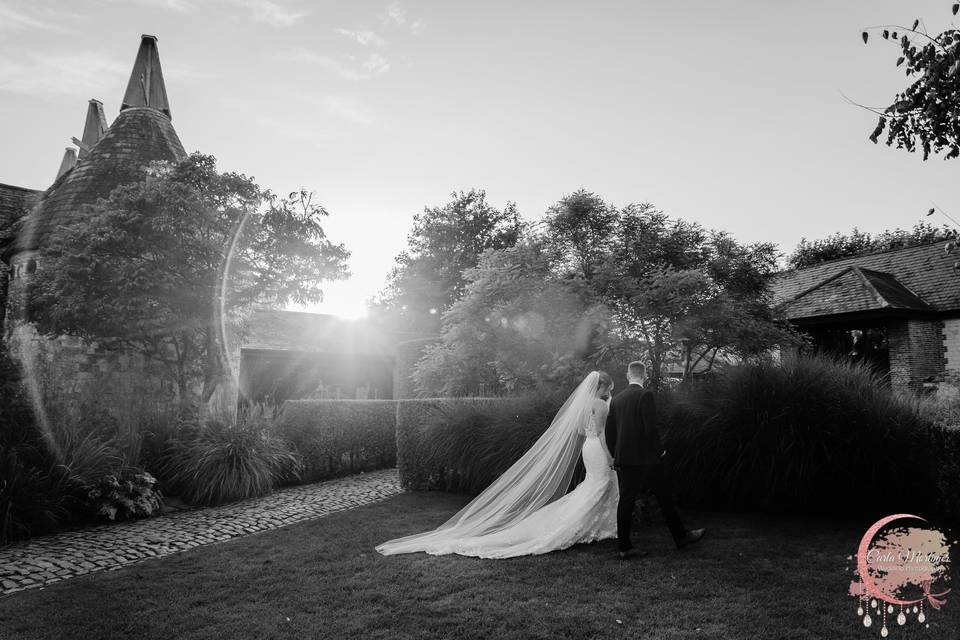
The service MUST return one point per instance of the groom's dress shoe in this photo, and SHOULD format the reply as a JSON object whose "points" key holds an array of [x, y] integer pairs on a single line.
{"points": [[633, 553], [694, 535]]}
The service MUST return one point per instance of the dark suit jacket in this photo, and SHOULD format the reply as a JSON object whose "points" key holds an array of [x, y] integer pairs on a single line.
{"points": [[631, 429]]}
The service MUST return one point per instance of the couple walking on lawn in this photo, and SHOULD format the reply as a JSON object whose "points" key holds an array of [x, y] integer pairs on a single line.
{"points": [[528, 511]]}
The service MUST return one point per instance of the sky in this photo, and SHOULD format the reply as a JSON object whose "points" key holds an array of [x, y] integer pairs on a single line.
{"points": [[734, 114]]}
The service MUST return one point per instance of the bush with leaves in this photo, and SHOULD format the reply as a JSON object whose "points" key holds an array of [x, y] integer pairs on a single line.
{"points": [[858, 243], [129, 493]]}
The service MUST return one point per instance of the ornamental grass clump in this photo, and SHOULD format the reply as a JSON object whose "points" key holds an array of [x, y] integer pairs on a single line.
{"points": [[225, 460], [808, 435]]}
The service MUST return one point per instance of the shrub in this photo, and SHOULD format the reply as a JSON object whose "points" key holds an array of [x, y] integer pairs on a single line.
{"points": [[464, 444], [220, 461], [130, 493], [32, 501], [337, 437], [810, 435]]}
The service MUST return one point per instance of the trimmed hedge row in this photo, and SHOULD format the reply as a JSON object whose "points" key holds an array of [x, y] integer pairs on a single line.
{"points": [[340, 437], [464, 444]]}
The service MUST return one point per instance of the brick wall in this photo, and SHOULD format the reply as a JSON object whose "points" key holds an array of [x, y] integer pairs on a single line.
{"points": [[951, 344], [916, 353]]}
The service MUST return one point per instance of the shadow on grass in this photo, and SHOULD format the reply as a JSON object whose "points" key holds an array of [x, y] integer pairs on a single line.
{"points": [[753, 577]]}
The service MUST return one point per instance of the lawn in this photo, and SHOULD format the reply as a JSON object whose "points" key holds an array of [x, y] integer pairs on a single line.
{"points": [[753, 577]]}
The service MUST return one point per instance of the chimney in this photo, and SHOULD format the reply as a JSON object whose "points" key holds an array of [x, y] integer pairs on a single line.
{"points": [[146, 88], [93, 128], [69, 161]]}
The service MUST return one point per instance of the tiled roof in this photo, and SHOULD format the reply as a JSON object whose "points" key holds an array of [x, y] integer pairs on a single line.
{"points": [[854, 290], [15, 202], [923, 273], [137, 137]]}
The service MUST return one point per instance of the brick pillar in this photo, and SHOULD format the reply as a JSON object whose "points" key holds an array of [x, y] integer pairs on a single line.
{"points": [[951, 346], [898, 341]]}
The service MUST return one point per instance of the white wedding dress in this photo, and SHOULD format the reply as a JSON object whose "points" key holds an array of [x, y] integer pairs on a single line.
{"points": [[525, 511]]}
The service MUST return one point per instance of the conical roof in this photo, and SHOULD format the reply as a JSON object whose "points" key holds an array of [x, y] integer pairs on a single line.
{"points": [[141, 134]]}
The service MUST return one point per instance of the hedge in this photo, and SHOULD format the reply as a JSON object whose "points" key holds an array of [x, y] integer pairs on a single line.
{"points": [[340, 437], [464, 444], [811, 436]]}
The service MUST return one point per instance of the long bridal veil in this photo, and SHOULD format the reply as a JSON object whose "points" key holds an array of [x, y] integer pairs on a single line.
{"points": [[539, 477]]}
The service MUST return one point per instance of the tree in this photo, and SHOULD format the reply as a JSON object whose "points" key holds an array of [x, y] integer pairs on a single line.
{"points": [[858, 243], [444, 243], [597, 287], [579, 230], [165, 265], [517, 328], [928, 111], [681, 294]]}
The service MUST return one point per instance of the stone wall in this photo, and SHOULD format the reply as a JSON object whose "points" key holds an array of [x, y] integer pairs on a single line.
{"points": [[71, 379]]}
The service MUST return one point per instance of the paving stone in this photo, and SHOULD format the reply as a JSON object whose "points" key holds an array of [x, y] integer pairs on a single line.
{"points": [[48, 559]]}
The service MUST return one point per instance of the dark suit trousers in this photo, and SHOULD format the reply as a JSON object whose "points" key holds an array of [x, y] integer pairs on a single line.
{"points": [[632, 481]]}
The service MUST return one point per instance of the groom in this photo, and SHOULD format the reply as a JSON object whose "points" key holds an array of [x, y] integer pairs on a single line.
{"points": [[634, 442]]}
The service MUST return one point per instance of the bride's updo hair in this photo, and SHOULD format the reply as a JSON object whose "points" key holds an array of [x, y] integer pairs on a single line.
{"points": [[604, 381]]}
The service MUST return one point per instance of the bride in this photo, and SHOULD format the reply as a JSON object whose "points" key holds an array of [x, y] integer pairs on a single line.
{"points": [[527, 510]]}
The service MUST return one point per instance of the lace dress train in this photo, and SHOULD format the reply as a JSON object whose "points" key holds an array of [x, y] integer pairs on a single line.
{"points": [[586, 514]]}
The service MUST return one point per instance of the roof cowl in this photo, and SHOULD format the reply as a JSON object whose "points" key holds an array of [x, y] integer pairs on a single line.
{"points": [[146, 87]]}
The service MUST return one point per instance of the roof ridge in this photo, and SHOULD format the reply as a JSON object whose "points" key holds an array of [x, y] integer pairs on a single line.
{"points": [[882, 301], [817, 286]]}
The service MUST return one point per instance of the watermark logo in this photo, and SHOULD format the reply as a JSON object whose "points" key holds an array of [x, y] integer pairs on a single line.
{"points": [[902, 573]]}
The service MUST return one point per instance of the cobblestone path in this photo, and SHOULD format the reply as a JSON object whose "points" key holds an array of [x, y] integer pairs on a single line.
{"points": [[42, 561]]}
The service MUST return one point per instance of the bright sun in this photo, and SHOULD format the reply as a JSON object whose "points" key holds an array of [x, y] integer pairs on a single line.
{"points": [[342, 299]]}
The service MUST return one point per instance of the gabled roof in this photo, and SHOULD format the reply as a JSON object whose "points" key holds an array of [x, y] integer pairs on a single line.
{"points": [[923, 272], [854, 290]]}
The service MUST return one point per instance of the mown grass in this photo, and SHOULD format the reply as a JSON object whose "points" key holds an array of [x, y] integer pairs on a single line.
{"points": [[753, 577]]}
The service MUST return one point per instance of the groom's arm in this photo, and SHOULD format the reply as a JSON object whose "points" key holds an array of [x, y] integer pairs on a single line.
{"points": [[610, 432], [648, 412]]}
